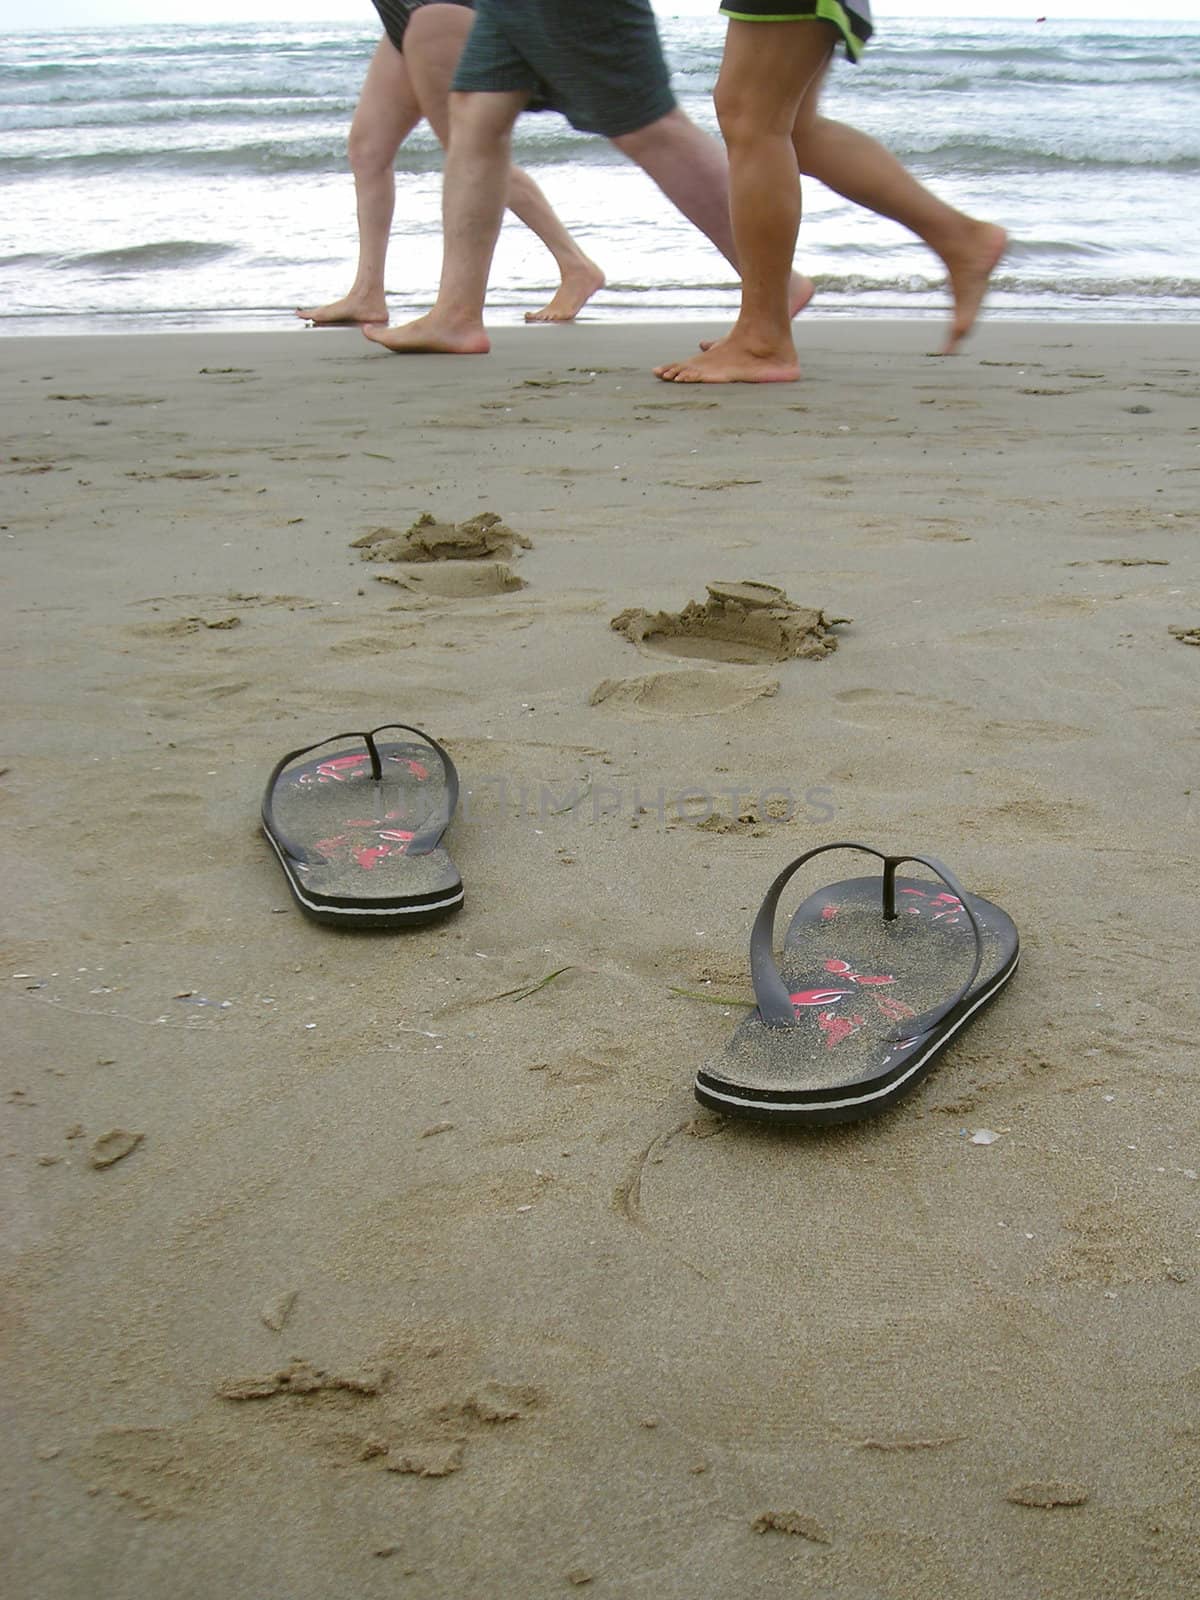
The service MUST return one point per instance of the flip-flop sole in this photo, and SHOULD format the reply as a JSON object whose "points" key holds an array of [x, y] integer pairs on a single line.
{"points": [[853, 979], [357, 833]]}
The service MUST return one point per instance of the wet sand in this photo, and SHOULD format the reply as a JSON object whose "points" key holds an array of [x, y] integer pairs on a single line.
{"points": [[427, 1276]]}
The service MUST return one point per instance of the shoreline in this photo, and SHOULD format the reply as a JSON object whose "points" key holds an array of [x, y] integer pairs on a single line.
{"points": [[548, 1325], [614, 317]]}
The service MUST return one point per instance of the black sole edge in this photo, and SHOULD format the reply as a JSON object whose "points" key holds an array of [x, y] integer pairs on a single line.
{"points": [[848, 1108], [353, 922], [363, 917]]}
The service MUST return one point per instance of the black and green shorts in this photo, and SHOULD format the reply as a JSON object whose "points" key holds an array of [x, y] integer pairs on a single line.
{"points": [[601, 66], [852, 18]]}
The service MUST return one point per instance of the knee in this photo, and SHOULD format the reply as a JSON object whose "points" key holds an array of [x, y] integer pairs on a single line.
{"points": [[477, 123], [369, 152], [738, 113], [664, 130]]}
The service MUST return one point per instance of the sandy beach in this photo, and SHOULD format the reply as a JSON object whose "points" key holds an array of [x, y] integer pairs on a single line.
{"points": [[427, 1275]]}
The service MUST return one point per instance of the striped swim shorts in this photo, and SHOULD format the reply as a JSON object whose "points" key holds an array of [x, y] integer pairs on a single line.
{"points": [[852, 18], [397, 14]]}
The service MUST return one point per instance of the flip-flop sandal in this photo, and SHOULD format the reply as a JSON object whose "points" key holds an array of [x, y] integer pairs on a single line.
{"points": [[358, 830], [876, 977]]}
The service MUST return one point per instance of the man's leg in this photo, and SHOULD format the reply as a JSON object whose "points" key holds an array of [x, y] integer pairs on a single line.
{"points": [[692, 170], [474, 186], [387, 113], [853, 165], [768, 71], [432, 47]]}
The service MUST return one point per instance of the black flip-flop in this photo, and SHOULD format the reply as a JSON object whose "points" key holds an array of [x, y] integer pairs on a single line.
{"points": [[358, 831], [876, 977]]}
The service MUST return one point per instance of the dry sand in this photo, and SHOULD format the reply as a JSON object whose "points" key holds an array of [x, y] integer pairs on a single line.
{"points": [[424, 1280]]}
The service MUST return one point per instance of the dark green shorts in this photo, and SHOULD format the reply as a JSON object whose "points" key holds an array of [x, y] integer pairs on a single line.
{"points": [[852, 20], [602, 66]]}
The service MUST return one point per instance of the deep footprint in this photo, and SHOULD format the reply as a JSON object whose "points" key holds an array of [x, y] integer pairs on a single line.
{"points": [[461, 581], [739, 622], [479, 538]]}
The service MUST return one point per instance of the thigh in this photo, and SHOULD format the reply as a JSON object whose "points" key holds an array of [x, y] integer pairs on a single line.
{"points": [[772, 72], [433, 47], [482, 119], [387, 109]]}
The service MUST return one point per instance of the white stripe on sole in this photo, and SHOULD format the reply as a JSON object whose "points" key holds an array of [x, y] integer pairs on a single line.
{"points": [[364, 908], [875, 1094]]}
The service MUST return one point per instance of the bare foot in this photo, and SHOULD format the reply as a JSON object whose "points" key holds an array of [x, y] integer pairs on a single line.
{"points": [[800, 292], [431, 337], [970, 271], [352, 310], [734, 360], [577, 288]]}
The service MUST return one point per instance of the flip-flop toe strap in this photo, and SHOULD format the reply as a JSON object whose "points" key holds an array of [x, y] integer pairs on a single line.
{"points": [[774, 1000], [915, 1027], [771, 992], [429, 836], [424, 840]]}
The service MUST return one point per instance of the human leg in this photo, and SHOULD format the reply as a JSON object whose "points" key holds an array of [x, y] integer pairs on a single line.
{"points": [[433, 46], [691, 169], [768, 72], [606, 73], [386, 114], [860, 169], [473, 199]]}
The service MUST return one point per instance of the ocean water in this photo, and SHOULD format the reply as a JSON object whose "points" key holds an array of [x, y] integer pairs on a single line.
{"points": [[195, 177]]}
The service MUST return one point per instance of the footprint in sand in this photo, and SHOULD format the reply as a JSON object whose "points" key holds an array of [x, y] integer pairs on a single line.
{"points": [[743, 622], [463, 580], [426, 1408], [1021, 821], [696, 693], [883, 708], [156, 1474], [448, 560], [373, 644], [483, 537], [183, 626], [1109, 1245]]}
